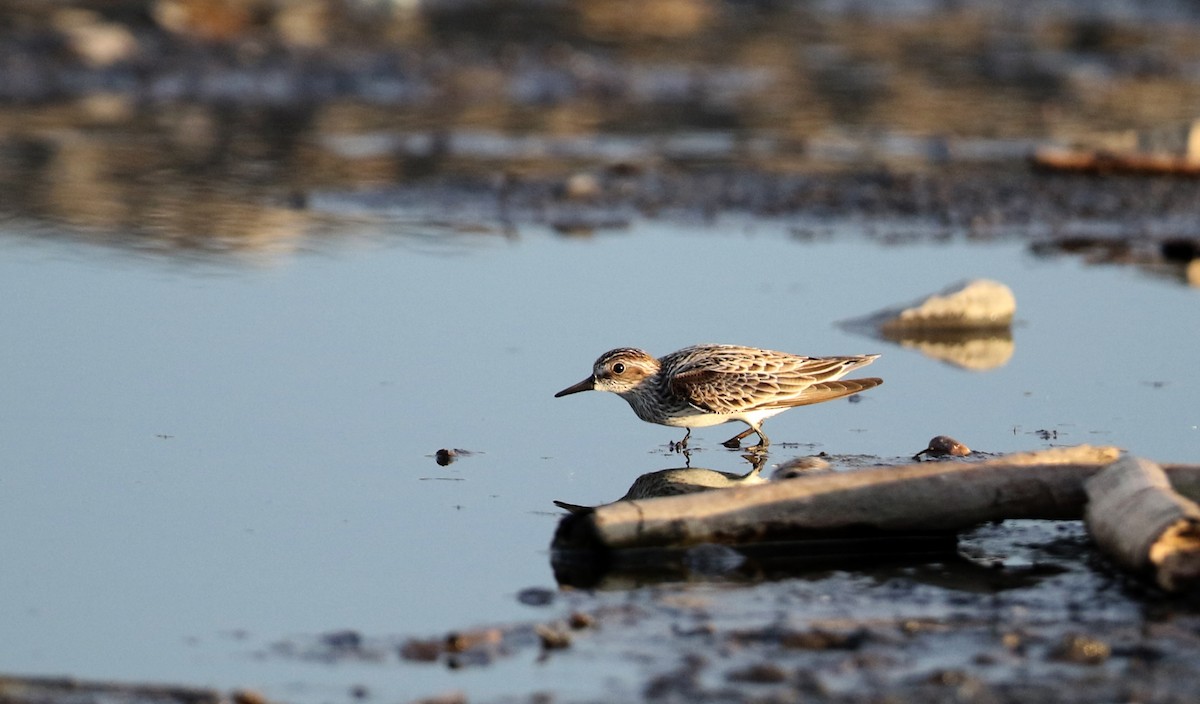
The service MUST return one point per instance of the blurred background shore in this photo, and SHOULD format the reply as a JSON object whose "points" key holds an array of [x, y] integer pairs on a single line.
{"points": [[213, 124]]}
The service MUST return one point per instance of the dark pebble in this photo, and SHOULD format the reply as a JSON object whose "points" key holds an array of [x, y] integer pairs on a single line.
{"points": [[1180, 249], [536, 596], [823, 640], [344, 641], [762, 673], [421, 650]]}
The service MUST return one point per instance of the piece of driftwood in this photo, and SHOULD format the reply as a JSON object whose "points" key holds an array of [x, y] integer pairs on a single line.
{"points": [[63, 690], [1136, 517], [917, 498], [1100, 162]]}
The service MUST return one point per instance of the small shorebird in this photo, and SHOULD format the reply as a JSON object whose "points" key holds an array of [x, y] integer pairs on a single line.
{"points": [[705, 385]]}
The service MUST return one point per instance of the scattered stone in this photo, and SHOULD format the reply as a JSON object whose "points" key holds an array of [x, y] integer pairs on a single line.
{"points": [[817, 639], [579, 620], [762, 673], [445, 455], [942, 446], [446, 698], [581, 187], [1013, 642], [683, 682], [422, 650], [458, 642], [97, 43], [536, 596], [248, 696], [346, 641], [949, 678], [552, 638], [585, 223], [1180, 249], [1081, 649]]}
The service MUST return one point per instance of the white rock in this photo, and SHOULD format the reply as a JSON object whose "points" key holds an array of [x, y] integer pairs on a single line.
{"points": [[980, 304]]}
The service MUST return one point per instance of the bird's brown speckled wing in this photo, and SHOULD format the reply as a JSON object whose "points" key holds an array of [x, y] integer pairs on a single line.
{"points": [[737, 382]]}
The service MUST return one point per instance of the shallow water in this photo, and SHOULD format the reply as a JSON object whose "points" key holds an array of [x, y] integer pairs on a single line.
{"points": [[206, 455]]}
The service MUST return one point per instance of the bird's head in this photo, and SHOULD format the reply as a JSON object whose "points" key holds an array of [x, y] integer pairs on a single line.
{"points": [[620, 371]]}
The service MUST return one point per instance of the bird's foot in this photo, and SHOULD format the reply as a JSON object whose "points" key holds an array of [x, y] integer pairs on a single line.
{"points": [[682, 445]]}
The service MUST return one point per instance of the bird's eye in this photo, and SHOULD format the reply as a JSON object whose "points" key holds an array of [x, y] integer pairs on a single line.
{"points": [[618, 368]]}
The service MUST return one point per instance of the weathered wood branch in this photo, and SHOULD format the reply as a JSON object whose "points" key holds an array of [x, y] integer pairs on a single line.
{"points": [[916, 498], [1108, 162], [1136, 517]]}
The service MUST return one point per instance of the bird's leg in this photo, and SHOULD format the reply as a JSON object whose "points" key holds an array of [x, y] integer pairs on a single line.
{"points": [[682, 444], [736, 441], [756, 460], [762, 441]]}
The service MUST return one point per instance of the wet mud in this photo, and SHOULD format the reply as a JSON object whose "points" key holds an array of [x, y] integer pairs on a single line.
{"points": [[1018, 611]]}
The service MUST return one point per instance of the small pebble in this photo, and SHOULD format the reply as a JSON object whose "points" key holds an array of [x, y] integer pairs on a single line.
{"points": [[421, 650], [536, 596], [553, 638], [762, 673], [1081, 649], [343, 641], [581, 187], [458, 642], [1180, 249], [823, 640], [943, 446], [248, 696]]}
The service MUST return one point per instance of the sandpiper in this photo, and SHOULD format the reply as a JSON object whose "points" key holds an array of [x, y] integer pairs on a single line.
{"points": [[708, 384]]}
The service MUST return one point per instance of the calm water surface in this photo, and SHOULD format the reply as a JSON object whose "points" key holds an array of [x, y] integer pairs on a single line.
{"points": [[202, 456]]}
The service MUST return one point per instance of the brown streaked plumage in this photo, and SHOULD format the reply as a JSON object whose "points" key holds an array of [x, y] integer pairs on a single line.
{"points": [[711, 384]]}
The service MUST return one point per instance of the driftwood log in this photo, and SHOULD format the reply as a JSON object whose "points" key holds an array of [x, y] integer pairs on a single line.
{"points": [[917, 498], [1136, 517], [1100, 162]]}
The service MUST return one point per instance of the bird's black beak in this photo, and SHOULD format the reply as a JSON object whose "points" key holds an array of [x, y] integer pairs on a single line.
{"points": [[588, 384]]}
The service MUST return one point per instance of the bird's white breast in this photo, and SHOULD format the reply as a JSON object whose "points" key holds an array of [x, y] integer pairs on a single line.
{"points": [[701, 419]]}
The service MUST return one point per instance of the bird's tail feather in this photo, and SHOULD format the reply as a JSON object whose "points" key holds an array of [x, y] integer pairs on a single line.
{"points": [[829, 390]]}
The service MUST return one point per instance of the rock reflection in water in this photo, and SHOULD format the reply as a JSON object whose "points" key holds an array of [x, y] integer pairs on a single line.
{"points": [[965, 350]]}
